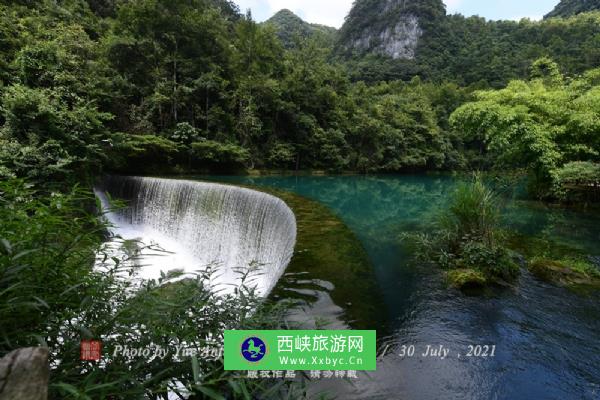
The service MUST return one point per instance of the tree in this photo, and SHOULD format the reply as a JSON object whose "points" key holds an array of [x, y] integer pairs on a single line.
{"points": [[168, 46], [538, 125], [49, 137]]}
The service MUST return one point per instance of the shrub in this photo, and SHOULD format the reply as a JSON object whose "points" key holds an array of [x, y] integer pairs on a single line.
{"points": [[466, 237], [50, 137], [577, 179], [494, 262], [185, 134], [211, 153], [282, 155], [142, 153]]}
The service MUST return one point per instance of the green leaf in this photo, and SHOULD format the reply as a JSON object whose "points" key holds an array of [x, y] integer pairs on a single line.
{"points": [[42, 302], [24, 253], [245, 390], [210, 393], [196, 371], [6, 246], [85, 332], [72, 390]]}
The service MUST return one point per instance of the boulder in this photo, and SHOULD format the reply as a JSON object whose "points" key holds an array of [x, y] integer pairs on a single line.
{"points": [[24, 374]]}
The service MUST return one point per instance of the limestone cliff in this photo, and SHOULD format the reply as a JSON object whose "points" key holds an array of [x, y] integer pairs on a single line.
{"points": [[388, 27]]}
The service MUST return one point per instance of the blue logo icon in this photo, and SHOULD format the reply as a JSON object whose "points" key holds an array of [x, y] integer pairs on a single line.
{"points": [[254, 349]]}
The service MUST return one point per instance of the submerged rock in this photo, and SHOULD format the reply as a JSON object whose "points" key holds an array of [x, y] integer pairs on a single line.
{"points": [[565, 272]]}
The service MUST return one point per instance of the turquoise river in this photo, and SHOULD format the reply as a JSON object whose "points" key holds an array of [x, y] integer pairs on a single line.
{"points": [[546, 338]]}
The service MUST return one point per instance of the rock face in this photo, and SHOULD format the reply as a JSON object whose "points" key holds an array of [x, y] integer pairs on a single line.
{"points": [[567, 8], [24, 374], [390, 28], [397, 41]]}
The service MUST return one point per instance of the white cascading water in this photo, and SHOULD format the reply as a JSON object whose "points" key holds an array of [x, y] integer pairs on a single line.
{"points": [[204, 224]]}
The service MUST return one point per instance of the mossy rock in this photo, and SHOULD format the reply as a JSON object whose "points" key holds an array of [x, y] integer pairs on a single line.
{"points": [[567, 272], [466, 279]]}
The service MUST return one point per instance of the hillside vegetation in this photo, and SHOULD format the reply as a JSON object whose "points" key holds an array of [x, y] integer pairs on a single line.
{"points": [[568, 8], [290, 29], [465, 50]]}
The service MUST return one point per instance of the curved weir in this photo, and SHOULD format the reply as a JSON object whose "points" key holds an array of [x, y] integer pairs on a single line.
{"points": [[205, 224]]}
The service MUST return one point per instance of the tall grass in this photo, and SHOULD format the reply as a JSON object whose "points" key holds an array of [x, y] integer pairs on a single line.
{"points": [[473, 213]]}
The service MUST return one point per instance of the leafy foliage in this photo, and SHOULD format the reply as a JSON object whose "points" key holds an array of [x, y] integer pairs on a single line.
{"points": [[141, 153], [47, 136], [539, 125], [577, 181], [131, 86], [391, 121], [220, 153], [290, 28]]}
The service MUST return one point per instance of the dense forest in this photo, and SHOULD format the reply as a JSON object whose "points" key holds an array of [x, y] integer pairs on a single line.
{"points": [[157, 86]]}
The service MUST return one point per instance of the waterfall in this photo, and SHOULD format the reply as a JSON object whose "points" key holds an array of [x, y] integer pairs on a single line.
{"points": [[205, 224]]}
